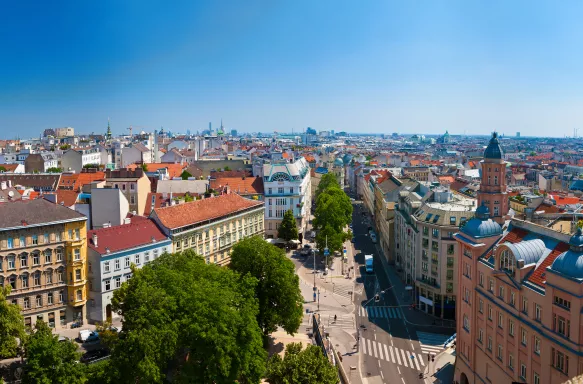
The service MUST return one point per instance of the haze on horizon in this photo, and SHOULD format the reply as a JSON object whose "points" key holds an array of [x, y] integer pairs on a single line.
{"points": [[378, 66]]}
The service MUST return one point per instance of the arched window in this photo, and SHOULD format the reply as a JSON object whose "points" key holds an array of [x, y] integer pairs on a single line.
{"points": [[507, 261], [280, 176]]}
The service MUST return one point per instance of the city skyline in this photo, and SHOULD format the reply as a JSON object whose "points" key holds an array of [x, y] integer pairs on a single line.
{"points": [[278, 66]]}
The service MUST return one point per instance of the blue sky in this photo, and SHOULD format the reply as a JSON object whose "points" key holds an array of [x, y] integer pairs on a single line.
{"points": [[360, 66]]}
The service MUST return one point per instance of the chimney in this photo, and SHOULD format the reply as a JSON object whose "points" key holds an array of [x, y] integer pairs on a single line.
{"points": [[153, 239], [3, 186], [95, 239], [106, 250], [227, 190]]}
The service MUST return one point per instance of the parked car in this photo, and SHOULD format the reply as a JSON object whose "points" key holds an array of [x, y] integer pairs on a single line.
{"points": [[306, 250], [96, 354], [84, 334], [93, 337]]}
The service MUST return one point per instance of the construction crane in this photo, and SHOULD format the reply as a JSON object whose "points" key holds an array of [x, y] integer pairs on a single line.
{"points": [[132, 127]]}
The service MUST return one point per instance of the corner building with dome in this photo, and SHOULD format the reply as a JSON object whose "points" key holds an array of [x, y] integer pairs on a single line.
{"points": [[520, 292]]}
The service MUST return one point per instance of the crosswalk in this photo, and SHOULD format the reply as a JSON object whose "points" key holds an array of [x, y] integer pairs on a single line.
{"points": [[392, 354], [432, 342], [379, 312], [342, 321], [343, 289]]}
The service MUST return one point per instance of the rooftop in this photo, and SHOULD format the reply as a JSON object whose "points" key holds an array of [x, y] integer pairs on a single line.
{"points": [[23, 213], [126, 236]]}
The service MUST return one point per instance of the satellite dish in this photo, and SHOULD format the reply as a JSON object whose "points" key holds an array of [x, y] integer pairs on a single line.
{"points": [[11, 193]]}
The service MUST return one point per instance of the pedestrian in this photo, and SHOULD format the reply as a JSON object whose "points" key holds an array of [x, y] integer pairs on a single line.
{"points": [[335, 318]]}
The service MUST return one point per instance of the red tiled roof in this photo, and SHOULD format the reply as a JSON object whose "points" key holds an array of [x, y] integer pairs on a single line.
{"points": [[248, 185], [125, 236], [68, 198], [562, 200], [174, 170], [160, 201], [75, 181], [9, 167], [537, 277], [310, 158], [207, 209]]}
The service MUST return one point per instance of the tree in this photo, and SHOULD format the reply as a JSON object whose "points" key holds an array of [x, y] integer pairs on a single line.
{"points": [[2, 169], [185, 175], [301, 366], [333, 208], [331, 237], [288, 230], [86, 166], [327, 181], [50, 361], [11, 325], [188, 198], [278, 291], [64, 147], [54, 170], [227, 168], [189, 320], [144, 166], [100, 372]]}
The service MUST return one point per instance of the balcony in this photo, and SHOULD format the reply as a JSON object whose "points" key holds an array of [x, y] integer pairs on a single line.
{"points": [[426, 258], [433, 261], [434, 273], [429, 282]]}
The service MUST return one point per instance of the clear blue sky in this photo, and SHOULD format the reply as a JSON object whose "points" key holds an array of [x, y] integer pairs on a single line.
{"points": [[361, 66]]}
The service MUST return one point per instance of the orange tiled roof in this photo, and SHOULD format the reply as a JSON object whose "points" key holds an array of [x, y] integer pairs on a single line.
{"points": [[9, 167], [201, 210], [310, 158], [446, 179], [68, 198], [562, 200], [537, 277], [174, 170], [248, 185], [414, 162]]}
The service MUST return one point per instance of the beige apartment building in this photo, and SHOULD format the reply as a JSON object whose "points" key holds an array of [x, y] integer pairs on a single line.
{"points": [[43, 260], [211, 226], [133, 184]]}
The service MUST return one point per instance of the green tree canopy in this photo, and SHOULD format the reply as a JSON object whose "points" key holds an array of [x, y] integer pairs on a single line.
{"points": [[11, 325], [278, 291], [335, 239], [327, 181], [185, 175], [145, 167], [333, 208], [301, 366], [49, 361], [227, 168], [91, 166], [2, 169], [193, 321], [54, 170], [288, 230]]}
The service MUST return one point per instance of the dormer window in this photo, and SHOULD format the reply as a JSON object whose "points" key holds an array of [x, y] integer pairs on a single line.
{"points": [[507, 261]]}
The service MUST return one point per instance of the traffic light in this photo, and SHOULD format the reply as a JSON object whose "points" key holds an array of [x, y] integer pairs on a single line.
{"points": [[377, 298]]}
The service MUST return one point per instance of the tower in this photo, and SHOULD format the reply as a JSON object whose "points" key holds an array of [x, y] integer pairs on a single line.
{"points": [[108, 134], [492, 193]]}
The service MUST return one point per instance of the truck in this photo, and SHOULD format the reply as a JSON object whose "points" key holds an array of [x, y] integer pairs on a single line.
{"points": [[368, 263]]}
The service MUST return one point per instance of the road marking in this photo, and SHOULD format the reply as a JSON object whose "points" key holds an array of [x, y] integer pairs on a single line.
{"points": [[398, 357], [398, 369], [386, 353], [380, 351], [392, 356], [405, 358], [378, 361], [383, 377], [412, 347], [403, 380], [421, 359], [363, 345], [415, 361], [374, 348], [369, 348]]}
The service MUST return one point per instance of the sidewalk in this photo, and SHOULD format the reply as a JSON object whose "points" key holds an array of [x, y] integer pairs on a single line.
{"points": [[442, 369]]}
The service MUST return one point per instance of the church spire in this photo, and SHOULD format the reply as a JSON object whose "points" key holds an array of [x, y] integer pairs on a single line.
{"points": [[108, 134]]}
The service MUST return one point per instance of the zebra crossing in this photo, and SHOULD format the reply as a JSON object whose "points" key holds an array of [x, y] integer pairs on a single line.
{"points": [[344, 290], [379, 312], [392, 354], [432, 342], [342, 321]]}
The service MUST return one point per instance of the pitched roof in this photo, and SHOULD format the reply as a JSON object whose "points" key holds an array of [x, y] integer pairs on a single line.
{"points": [[75, 181], [161, 199], [68, 198], [240, 185], [174, 169], [538, 275], [125, 236], [9, 167], [30, 180], [33, 212], [201, 210]]}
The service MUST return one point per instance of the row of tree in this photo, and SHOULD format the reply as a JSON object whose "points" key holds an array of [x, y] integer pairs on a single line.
{"points": [[186, 321], [332, 215]]}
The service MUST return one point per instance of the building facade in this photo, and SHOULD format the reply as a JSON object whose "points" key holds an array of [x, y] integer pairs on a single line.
{"points": [[134, 185], [287, 186], [211, 226], [111, 253], [43, 259]]}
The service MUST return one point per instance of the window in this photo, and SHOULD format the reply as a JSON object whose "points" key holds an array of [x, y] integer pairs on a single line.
{"points": [[490, 343], [452, 220], [106, 266], [10, 243], [78, 274], [481, 279], [127, 262], [12, 281], [79, 295], [34, 239], [560, 361], [137, 258], [26, 302], [480, 335], [49, 277], [491, 285], [500, 320], [22, 241], [11, 263], [280, 190], [562, 303], [48, 256], [118, 282], [117, 264], [60, 276], [39, 301], [523, 336], [500, 352], [512, 298], [36, 258], [525, 306], [450, 249], [466, 323], [77, 254], [481, 306], [36, 279], [435, 232], [489, 312], [535, 378], [501, 292], [510, 361], [57, 236], [46, 238], [59, 254], [536, 345], [23, 260], [50, 298], [107, 285], [146, 257], [561, 325], [24, 281], [70, 233], [61, 296]]}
